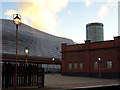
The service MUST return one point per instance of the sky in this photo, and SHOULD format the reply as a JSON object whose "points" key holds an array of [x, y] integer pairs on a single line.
{"points": [[65, 18]]}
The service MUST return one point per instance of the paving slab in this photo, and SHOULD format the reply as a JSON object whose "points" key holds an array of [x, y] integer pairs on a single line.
{"points": [[67, 82]]}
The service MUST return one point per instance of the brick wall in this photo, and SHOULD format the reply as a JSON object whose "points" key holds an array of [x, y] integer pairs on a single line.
{"points": [[88, 52]]}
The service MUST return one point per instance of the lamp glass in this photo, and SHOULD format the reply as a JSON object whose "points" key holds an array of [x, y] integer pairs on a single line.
{"points": [[16, 18], [53, 58], [26, 51], [99, 58]]}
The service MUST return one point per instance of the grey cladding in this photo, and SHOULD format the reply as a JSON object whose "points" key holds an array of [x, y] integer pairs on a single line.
{"points": [[38, 42]]}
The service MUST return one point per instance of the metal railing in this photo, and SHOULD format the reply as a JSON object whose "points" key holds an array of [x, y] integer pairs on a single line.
{"points": [[28, 75]]}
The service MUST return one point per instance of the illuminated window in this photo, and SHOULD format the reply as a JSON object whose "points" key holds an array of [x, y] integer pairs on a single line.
{"points": [[75, 65], [70, 66], [81, 65], [109, 64], [95, 64]]}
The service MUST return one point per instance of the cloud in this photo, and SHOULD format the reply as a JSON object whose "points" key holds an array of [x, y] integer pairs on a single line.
{"points": [[112, 4], [106, 7], [9, 13], [88, 3], [103, 10], [42, 14], [69, 13]]}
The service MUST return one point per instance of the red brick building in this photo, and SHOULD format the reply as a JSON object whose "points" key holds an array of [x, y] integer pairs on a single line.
{"points": [[82, 59]]}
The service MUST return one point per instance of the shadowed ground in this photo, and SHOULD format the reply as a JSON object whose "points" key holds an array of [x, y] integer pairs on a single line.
{"points": [[66, 82], [58, 82]]}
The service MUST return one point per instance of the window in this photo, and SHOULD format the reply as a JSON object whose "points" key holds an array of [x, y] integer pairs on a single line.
{"points": [[95, 65], [70, 66], [109, 64], [75, 65], [81, 65]]}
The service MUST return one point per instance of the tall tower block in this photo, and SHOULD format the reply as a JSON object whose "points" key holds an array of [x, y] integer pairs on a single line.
{"points": [[94, 32]]}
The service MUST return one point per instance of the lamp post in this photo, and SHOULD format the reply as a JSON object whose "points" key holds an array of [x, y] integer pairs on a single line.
{"points": [[16, 20], [99, 59], [53, 66], [26, 53]]}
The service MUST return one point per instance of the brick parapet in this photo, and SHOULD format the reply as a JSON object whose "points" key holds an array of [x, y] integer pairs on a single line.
{"points": [[93, 45]]}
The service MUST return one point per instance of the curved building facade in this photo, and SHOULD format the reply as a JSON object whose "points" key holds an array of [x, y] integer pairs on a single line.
{"points": [[94, 32], [39, 43]]}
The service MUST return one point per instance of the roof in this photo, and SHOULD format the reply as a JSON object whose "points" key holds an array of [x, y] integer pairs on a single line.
{"points": [[94, 24], [39, 43]]}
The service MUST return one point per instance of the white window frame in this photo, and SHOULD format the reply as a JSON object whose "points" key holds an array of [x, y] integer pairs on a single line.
{"points": [[81, 65], [75, 65]]}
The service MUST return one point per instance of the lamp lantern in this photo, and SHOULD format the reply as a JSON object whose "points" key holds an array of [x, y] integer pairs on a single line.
{"points": [[17, 19], [26, 51], [99, 58], [53, 58]]}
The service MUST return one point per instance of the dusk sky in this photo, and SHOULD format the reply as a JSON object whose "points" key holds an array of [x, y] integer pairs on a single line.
{"points": [[65, 18]]}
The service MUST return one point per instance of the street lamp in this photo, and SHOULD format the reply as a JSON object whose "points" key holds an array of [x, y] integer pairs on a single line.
{"points": [[99, 59], [17, 21], [53, 66], [26, 53]]}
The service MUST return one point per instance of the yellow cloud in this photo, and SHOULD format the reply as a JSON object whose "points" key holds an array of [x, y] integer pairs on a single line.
{"points": [[42, 13], [88, 3], [9, 13]]}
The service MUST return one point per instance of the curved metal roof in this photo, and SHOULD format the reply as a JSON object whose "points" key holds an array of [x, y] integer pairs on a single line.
{"points": [[38, 42]]}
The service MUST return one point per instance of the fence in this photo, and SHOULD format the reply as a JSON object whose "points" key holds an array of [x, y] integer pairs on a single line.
{"points": [[28, 75]]}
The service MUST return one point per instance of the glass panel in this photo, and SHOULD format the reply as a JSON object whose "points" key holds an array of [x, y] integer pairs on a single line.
{"points": [[81, 65], [70, 65], [75, 65], [95, 64], [109, 64]]}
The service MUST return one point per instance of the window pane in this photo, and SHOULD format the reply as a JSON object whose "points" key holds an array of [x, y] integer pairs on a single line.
{"points": [[81, 65], [75, 65], [109, 64], [70, 65], [95, 64]]}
